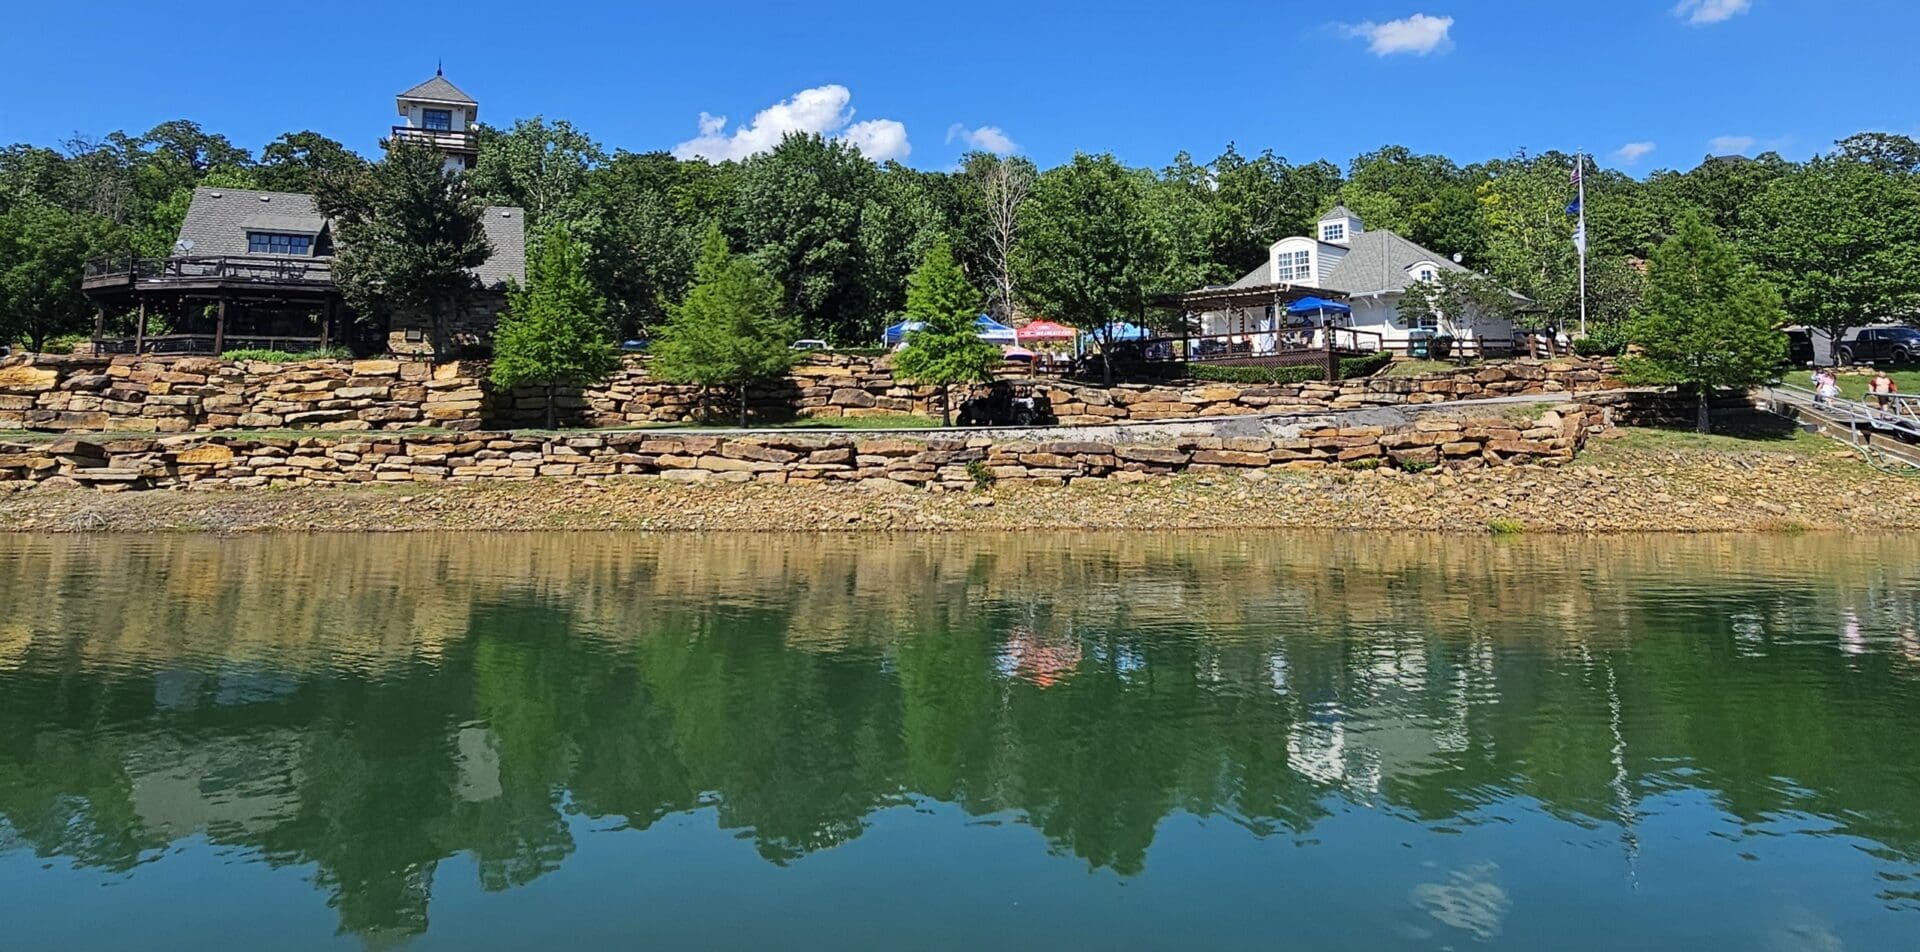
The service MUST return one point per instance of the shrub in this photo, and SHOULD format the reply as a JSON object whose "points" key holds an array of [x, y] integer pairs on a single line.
{"points": [[1415, 465], [66, 343], [1501, 527], [285, 357], [1301, 373], [1351, 367], [1605, 340], [980, 473]]}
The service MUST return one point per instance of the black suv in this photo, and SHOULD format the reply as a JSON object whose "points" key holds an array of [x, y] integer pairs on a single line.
{"points": [[1897, 345]]}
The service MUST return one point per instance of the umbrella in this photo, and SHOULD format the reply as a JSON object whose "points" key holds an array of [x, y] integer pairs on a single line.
{"points": [[1047, 331], [1016, 352]]}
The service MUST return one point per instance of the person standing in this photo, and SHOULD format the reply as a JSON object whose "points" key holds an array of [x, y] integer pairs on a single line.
{"points": [[1883, 389], [1826, 388]]}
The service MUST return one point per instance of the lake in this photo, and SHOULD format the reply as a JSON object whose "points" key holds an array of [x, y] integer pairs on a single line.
{"points": [[1125, 741]]}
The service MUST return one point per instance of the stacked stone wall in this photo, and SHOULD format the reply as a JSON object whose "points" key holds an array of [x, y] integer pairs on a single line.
{"points": [[156, 394], [891, 462]]}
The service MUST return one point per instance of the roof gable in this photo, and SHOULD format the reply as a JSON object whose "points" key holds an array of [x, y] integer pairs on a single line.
{"points": [[1378, 261], [218, 219], [437, 89]]}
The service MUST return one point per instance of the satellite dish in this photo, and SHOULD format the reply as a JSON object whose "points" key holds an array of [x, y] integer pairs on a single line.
{"points": [[1457, 257], [184, 246]]}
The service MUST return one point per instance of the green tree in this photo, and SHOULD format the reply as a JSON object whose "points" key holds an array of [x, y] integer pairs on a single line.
{"points": [[555, 333], [1841, 238], [1459, 299], [1708, 322], [948, 349], [42, 252], [298, 161], [537, 167], [409, 235], [1090, 249], [799, 210], [729, 331]]}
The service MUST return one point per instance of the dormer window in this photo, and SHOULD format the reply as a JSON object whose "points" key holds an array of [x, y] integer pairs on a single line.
{"points": [[437, 120], [1425, 274], [1291, 266], [1333, 231], [276, 243]]}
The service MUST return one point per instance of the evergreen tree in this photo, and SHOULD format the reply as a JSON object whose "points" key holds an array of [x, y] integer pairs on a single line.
{"points": [[948, 349], [409, 235], [556, 331], [729, 331], [1707, 323]]}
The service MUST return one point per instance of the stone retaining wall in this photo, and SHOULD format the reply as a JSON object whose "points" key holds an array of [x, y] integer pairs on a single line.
{"points": [[881, 462], [181, 394], [154, 394]]}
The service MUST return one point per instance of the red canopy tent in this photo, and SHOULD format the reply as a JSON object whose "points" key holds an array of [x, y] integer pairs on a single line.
{"points": [[1041, 331]]}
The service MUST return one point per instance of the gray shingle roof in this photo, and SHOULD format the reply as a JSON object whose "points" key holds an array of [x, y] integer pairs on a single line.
{"points": [[438, 90], [218, 219], [1339, 212], [1378, 261], [507, 233]]}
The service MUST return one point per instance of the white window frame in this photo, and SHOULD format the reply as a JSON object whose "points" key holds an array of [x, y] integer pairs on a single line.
{"points": [[1291, 266], [1333, 231]]}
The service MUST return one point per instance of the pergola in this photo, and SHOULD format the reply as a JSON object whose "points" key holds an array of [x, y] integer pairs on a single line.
{"points": [[1277, 346]]}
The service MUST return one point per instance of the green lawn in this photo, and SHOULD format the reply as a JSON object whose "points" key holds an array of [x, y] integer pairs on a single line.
{"points": [[1854, 386], [1750, 432]]}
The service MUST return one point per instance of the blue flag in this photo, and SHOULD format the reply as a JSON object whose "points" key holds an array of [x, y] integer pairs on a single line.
{"points": [[1574, 208]]}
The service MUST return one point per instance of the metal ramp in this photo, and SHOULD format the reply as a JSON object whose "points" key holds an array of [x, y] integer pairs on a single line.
{"points": [[1889, 436]]}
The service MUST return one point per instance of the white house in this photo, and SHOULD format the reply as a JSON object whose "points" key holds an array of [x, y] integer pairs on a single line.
{"points": [[1373, 269], [439, 114]]}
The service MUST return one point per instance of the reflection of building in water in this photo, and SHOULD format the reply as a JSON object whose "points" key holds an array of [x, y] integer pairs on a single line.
{"points": [[477, 757], [225, 786]]}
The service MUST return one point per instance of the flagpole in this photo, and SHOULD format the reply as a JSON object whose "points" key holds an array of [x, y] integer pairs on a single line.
{"points": [[1580, 175]]}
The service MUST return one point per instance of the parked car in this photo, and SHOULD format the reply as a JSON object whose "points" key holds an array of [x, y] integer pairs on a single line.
{"points": [[1866, 345], [809, 344]]}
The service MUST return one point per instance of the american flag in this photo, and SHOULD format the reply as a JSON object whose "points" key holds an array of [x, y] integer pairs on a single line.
{"points": [[1576, 172]]}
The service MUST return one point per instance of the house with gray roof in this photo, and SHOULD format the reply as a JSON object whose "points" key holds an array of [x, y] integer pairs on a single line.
{"points": [[1370, 271], [254, 269]]}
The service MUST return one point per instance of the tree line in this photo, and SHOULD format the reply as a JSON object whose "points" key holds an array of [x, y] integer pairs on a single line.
{"points": [[1090, 240]]}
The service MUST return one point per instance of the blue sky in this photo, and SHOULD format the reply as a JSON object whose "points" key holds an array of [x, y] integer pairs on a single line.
{"points": [[1471, 79]]}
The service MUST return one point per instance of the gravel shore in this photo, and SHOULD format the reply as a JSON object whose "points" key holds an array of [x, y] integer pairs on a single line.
{"points": [[1623, 484]]}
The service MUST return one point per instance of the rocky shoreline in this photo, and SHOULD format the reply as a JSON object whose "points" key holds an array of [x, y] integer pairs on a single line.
{"points": [[1619, 485]]}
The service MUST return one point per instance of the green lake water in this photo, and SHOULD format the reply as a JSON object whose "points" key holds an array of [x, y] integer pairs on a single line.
{"points": [[1256, 741]]}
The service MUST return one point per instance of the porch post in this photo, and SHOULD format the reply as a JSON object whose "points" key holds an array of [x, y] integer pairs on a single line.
{"points": [[326, 324], [140, 329], [220, 328]]}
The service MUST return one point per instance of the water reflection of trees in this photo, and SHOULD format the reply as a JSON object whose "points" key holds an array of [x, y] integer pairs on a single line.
{"points": [[374, 706]]}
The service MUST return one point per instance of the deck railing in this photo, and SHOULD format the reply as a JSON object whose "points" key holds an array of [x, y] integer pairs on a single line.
{"points": [[260, 268], [450, 140], [206, 343], [1263, 346]]}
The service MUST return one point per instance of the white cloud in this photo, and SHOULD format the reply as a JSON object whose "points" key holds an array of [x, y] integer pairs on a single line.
{"points": [[1419, 34], [1731, 145], [1633, 152], [1704, 12], [823, 110], [986, 138]]}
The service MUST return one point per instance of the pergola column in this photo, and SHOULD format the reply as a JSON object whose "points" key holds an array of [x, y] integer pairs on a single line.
{"points": [[140, 329], [220, 328]]}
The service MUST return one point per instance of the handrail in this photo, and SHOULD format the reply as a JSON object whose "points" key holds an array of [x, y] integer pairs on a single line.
{"points": [[275, 268], [444, 138], [1902, 415]]}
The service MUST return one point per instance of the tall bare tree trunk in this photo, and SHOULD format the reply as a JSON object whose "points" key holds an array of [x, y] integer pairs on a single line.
{"points": [[946, 404]]}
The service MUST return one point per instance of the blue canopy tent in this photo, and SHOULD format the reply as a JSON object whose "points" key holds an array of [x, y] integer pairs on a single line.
{"points": [[898, 332], [996, 332], [990, 330], [1121, 330], [1314, 305]]}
